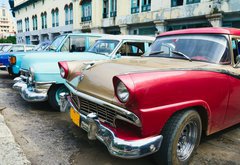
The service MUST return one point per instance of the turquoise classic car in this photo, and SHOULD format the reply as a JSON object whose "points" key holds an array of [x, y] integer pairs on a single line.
{"points": [[72, 42], [40, 79]]}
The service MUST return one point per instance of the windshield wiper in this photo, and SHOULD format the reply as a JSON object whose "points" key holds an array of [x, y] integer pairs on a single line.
{"points": [[181, 54], [157, 52]]}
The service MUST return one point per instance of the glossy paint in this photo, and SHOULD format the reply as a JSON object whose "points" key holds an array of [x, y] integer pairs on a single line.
{"points": [[215, 30], [158, 89]]}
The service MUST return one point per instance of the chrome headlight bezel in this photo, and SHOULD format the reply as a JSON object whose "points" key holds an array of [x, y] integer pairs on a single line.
{"points": [[31, 75], [122, 92]]}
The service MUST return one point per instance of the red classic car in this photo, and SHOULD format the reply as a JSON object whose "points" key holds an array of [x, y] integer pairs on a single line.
{"points": [[186, 85]]}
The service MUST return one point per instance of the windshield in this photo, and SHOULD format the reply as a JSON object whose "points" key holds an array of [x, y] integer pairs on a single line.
{"points": [[105, 47], [6, 48], [56, 43], [209, 48], [41, 47]]}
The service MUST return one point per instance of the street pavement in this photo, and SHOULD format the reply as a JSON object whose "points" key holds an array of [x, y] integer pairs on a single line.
{"points": [[10, 151]]}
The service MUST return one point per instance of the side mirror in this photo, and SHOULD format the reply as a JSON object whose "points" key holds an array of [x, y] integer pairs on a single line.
{"points": [[237, 60], [118, 55]]}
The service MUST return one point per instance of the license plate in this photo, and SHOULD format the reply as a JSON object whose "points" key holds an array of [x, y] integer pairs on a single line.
{"points": [[75, 117]]}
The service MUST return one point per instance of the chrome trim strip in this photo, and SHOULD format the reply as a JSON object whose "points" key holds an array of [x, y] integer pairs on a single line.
{"points": [[44, 83], [130, 115], [128, 149]]}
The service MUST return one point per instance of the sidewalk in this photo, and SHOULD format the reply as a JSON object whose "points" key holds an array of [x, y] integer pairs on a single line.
{"points": [[10, 151]]}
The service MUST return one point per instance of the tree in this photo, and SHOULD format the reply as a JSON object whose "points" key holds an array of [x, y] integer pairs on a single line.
{"points": [[10, 39]]}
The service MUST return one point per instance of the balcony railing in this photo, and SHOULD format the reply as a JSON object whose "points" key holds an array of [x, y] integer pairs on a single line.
{"points": [[113, 14], [146, 8], [135, 10], [85, 19]]}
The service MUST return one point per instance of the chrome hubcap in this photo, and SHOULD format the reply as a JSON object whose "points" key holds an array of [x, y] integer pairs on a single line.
{"points": [[187, 141]]}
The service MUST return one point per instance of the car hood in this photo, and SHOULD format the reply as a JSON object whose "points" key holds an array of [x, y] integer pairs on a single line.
{"points": [[47, 59], [97, 81], [46, 67]]}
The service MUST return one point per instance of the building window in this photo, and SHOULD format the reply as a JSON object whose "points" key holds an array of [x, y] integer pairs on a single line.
{"points": [[19, 26], [105, 8], [57, 16], [113, 8], [34, 20], [3, 12], [146, 5], [53, 18], [66, 14], [86, 11], [27, 24], [135, 6], [192, 1], [177, 3], [71, 13], [44, 20]]}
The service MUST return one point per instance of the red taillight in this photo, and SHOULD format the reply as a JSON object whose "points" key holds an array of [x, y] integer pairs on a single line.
{"points": [[63, 69]]}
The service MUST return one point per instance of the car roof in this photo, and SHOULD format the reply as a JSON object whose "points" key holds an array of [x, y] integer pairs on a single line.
{"points": [[209, 30], [87, 34], [127, 37]]}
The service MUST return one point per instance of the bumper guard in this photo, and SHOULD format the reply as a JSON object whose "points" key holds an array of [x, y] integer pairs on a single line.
{"points": [[116, 146]]}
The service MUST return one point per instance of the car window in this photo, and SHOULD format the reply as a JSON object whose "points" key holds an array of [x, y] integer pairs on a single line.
{"points": [[236, 48], [92, 40], [17, 48], [207, 48], [74, 44], [105, 47], [29, 48], [132, 49]]}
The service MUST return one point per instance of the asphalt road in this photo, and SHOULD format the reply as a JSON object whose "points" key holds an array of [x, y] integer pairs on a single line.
{"points": [[49, 137]]}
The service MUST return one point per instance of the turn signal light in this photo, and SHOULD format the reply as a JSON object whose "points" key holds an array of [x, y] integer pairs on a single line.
{"points": [[12, 60]]}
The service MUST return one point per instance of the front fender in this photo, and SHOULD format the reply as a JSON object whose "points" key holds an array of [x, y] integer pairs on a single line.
{"points": [[156, 117]]}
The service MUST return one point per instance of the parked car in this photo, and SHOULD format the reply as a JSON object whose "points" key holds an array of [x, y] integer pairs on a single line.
{"points": [[2, 45], [63, 43], [187, 84], [40, 79], [10, 49]]}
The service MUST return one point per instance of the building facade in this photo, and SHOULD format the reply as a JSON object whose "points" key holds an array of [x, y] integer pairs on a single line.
{"points": [[6, 23], [40, 20]]}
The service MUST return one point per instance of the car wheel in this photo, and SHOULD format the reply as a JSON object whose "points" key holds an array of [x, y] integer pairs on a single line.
{"points": [[54, 95], [181, 136]]}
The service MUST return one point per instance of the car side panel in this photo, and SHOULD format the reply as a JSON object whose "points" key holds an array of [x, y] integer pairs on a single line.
{"points": [[160, 94]]}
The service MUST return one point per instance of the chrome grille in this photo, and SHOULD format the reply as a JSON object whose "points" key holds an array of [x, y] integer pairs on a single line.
{"points": [[24, 74], [105, 114]]}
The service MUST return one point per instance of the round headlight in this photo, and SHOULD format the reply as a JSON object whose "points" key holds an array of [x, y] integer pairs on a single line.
{"points": [[62, 72], [122, 92]]}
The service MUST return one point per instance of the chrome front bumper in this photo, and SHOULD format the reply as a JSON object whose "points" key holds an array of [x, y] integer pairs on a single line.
{"points": [[3, 67], [29, 93], [128, 149]]}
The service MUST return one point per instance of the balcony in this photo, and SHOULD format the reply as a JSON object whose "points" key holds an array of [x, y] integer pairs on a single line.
{"points": [[135, 10], [113, 13], [146, 8], [85, 19]]}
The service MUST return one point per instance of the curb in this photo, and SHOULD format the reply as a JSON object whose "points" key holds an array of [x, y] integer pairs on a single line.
{"points": [[10, 151]]}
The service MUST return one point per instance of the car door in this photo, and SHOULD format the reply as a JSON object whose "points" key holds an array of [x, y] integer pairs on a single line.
{"points": [[233, 112]]}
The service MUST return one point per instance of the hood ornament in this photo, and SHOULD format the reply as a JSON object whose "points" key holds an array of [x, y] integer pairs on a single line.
{"points": [[88, 65]]}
